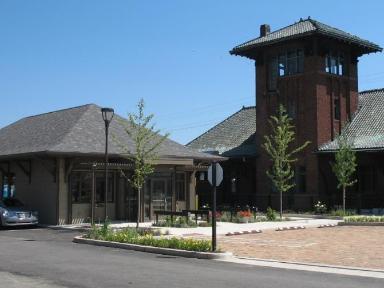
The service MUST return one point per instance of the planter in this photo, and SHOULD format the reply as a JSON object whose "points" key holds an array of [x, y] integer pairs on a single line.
{"points": [[361, 224], [243, 219], [151, 249]]}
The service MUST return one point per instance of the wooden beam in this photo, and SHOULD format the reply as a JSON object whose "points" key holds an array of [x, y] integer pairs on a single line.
{"points": [[26, 170], [7, 170], [68, 169]]}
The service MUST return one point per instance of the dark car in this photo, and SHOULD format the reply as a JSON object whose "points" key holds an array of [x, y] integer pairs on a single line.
{"points": [[14, 213]]}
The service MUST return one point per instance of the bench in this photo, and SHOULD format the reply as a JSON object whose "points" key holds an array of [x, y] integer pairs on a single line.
{"points": [[198, 212], [170, 213]]}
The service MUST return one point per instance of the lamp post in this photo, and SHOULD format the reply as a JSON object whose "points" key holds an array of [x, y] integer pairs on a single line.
{"points": [[107, 117], [93, 194]]}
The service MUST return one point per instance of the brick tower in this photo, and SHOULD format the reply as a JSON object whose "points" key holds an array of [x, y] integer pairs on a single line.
{"points": [[311, 68]]}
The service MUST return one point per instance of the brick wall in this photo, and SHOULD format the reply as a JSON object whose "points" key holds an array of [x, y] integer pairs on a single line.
{"points": [[311, 93]]}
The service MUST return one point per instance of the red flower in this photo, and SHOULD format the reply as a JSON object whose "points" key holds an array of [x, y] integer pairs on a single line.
{"points": [[244, 214]]}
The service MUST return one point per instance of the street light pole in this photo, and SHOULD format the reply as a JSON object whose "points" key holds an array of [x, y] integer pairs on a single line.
{"points": [[93, 195], [107, 117]]}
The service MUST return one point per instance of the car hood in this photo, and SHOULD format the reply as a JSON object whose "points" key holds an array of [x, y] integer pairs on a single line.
{"points": [[18, 209]]}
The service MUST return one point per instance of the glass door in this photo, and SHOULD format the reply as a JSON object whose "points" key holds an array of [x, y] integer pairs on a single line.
{"points": [[130, 202], [161, 196]]}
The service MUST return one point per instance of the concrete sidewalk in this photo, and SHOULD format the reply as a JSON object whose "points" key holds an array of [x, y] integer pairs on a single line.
{"points": [[222, 227], [227, 227]]}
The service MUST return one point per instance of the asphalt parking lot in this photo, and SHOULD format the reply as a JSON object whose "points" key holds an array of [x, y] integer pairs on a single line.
{"points": [[48, 258]]}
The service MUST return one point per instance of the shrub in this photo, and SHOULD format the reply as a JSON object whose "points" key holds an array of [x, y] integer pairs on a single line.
{"points": [[341, 213], [204, 224], [364, 219], [146, 237], [260, 218], [225, 216], [179, 222], [320, 208], [271, 214], [244, 214]]}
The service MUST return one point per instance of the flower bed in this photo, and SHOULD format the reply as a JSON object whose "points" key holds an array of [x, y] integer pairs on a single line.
{"points": [[146, 237], [246, 216]]}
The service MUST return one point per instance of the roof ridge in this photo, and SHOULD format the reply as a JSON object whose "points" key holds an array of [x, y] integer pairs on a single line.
{"points": [[248, 107], [371, 90], [316, 24], [226, 119], [59, 110], [275, 31], [303, 28], [59, 141]]}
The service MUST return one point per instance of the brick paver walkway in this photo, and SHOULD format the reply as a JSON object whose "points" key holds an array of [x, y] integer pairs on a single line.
{"points": [[345, 246]]}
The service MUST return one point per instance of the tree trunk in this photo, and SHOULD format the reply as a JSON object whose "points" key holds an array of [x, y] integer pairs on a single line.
{"points": [[344, 199], [138, 208], [281, 205]]}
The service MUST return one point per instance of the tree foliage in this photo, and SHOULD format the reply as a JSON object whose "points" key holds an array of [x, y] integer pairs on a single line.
{"points": [[278, 145], [147, 140], [344, 166]]}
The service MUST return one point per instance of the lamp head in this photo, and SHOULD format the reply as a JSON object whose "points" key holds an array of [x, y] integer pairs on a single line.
{"points": [[107, 114]]}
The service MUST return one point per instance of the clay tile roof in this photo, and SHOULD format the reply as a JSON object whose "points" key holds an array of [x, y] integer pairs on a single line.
{"points": [[366, 130], [300, 29], [233, 137]]}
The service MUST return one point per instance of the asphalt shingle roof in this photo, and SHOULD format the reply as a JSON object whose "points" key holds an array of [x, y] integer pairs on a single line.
{"points": [[233, 137], [304, 28], [366, 130], [78, 130]]}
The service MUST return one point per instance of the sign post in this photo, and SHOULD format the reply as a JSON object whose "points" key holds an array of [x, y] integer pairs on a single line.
{"points": [[214, 208], [215, 176]]}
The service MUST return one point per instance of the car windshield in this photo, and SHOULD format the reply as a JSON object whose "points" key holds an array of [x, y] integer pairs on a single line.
{"points": [[12, 202]]}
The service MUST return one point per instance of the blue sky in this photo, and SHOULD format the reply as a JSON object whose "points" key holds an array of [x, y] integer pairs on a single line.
{"points": [[174, 54]]}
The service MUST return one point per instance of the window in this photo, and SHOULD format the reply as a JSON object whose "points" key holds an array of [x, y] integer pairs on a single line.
{"points": [[81, 187], [8, 190], [336, 108], [334, 63], [233, 185], [100, 187], [272, 77], [291, 62], [180, 187], [282, 65], [287, 63]]}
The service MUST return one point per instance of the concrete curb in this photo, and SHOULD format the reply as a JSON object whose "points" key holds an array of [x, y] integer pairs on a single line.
{"points": [[243, 232], [315, 264], [157, 250], [327, 225], [313, 216], [361, 224], [311, 267], [289, 228], [66, 227]]}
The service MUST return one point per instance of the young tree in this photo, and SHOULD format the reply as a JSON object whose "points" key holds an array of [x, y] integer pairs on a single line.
{"points": [[146, 139], [344, 166], [278, 146]]}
